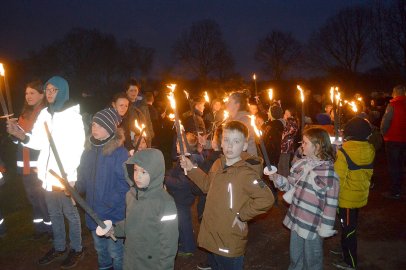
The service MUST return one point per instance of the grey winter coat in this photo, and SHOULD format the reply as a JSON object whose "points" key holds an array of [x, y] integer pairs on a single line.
{"points": [[151, 224]]}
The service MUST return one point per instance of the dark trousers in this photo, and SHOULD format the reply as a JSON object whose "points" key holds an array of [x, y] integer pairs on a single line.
{"points": [[218, 262], [36, 195], [187, 242], [2, 224], [349, 220], [395, 152]]}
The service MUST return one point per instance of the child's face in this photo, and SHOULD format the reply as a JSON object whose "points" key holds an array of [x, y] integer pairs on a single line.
{"points": [[99, 132], [121, 105], [233, 143], [309, 149], [287, 114], [141, 177]]}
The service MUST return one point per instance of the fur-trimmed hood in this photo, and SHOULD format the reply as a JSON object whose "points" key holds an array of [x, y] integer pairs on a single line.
{"points": [[112, 144]]}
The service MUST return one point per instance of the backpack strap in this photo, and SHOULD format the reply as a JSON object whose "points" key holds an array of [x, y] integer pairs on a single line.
{"points": [[352, 166]]}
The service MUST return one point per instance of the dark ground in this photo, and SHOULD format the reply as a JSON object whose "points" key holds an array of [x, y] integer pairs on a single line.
{"points": [[381, 234]]}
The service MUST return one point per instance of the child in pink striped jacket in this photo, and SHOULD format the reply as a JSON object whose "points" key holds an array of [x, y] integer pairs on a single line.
{"points": [[312, 192]]}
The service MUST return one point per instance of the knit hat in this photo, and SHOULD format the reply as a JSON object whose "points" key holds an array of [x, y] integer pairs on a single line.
{"points": [[109, 119], [276, 111], [357, 129]]}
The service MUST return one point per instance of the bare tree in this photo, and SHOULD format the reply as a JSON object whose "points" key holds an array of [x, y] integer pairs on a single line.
{"points": [[137, 58], [278, 52], [389, 31], [202, 51], [91, 60], [343, 42]]}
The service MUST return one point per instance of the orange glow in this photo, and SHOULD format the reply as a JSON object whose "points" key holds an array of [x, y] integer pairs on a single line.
{"points": [[301, 92]]}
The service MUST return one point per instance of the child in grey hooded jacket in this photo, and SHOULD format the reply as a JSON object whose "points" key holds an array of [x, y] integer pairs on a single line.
{"points": [[151, 223]]}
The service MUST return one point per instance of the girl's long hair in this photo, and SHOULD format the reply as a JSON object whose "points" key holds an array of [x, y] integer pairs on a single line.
{"points": [[319, 137]]}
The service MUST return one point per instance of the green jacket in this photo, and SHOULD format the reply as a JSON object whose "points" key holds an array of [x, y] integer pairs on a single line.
{"points": [[354, 184], [151, 224]]}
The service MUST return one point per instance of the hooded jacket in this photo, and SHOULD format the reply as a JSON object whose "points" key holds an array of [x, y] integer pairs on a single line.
{"points": [[151, 224], [231, 191], [101, 178], [65, 124], [354, 184]]}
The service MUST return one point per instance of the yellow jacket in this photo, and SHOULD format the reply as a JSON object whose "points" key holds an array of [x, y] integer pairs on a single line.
{"points": [[354, 184]]}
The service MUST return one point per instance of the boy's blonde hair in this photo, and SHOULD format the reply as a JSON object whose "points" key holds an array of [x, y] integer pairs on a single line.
{"points": [[319, 137]]}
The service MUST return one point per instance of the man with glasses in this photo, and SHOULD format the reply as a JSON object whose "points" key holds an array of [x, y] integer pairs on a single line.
{"points": [[65, 124]]}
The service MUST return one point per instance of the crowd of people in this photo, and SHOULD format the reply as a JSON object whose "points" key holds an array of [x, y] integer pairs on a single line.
{"points": [[119, 168]]}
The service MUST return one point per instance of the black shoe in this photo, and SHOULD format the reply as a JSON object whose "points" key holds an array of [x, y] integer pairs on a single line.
{"points": [[51, 256], [391, 196], [343, 265], [204, 266], [72, 259]]}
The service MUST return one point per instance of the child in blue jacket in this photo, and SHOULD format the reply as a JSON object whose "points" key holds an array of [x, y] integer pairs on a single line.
{"points": [[183, 192], [101, 178]]}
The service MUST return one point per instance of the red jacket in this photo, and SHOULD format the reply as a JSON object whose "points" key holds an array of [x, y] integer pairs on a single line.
{"points": [[396, 131]]}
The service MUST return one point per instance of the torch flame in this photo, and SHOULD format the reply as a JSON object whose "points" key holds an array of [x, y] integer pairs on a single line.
{"points": [[257, 131], [225, 100], [338, 97], [186, 93], [270, 94], [171, 86], [301, 92], [206, 97], [359, 99], [254, 76], [332, 94], [182, 128], [140, 128], [171, 116], [171, 98], [353, 106], [2, 72], [225, 115]]}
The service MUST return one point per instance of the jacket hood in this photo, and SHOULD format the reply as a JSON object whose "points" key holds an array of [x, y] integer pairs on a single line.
{"points": [[254, 162], [110, 144], [152, 160], [361, 153], [61, 96]]}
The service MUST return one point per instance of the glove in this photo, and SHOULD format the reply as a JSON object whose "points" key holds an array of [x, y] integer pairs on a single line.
{"points": [[242, 225], [270, 172], [324, 232]]}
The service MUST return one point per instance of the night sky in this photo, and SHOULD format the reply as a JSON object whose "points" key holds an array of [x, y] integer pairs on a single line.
{"points": [[28, 25]]}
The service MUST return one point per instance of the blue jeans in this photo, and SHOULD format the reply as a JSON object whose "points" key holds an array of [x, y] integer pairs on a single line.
{"points": [[395, 153], [60, 205], [36, 195], [305, 254], [218, 262], [109, 253]]}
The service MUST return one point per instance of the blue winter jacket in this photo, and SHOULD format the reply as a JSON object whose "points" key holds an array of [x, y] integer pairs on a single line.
{"points": [[179, 185], [101, 178]]}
